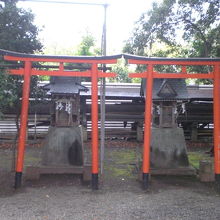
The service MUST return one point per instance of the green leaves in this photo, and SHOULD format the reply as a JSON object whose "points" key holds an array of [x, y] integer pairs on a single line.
{"points": [[183, 28], [192, 24], [17, 33], [122, 73], [87, 46]]}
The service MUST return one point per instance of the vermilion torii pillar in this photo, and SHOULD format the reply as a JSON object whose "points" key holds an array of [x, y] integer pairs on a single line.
{"points": [[28, 71], [150, 74], [216, 101]]}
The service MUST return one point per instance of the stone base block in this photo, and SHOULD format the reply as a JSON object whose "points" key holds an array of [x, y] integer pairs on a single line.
{"points": [[168, 148], [33, 173], [206, 171]]}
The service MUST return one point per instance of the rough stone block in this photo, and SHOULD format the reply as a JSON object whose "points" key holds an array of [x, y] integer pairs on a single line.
{"points": [[87, 173], [32, 173], [168, 148], [63, 146], [206, 171]]}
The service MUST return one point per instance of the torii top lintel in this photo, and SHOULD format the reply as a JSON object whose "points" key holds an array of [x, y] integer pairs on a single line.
{"points": [[11, 55], [15, 56], [93, 60], [183, 62], [170, 61]]}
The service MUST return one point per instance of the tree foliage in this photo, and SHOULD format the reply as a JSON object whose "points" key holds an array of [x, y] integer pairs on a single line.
{"points": [[178, 28], [87, 46], [17, 33], [193, 24], [122, 72]]}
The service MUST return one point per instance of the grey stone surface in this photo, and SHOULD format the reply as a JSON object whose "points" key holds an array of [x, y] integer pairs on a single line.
{"points": [[178, 85], [168, 148], [60, 145], [65, 85]]}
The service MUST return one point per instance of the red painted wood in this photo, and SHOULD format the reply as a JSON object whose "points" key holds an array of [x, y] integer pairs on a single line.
{"points": [[95, 143], [216, 108], [24, 117], [59, 60], [147, 120]]}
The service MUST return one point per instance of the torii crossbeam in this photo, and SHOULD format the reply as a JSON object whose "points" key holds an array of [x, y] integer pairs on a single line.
{"points": [[28, 71], [150, 74]]}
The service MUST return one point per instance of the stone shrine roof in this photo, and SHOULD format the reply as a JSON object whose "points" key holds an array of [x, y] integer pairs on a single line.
{"points": [[65, 85], [167, 89]]}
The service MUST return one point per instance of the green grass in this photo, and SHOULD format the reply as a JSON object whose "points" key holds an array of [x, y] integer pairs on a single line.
{"points": [[123, 163], [32, 160], [122, 172], [124, 157], [195, 157]]}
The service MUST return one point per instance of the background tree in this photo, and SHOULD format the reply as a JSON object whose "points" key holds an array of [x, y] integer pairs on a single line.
{"points": [[122, 72], [87, 46], [191, 24], [183, 28], [17, 33]]}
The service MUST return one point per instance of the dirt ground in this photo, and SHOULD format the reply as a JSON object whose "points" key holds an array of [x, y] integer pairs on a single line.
{"points": [[120, 196]]}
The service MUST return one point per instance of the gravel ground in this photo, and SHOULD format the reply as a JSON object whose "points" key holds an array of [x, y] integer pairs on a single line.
{"points": [[113, 201], [120, 197]]}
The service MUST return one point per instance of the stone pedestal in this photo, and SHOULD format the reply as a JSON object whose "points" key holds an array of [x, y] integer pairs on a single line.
{"points": [[194, 134], [84, 133], [140, 134], [168, 148], [63, 147], [206, 171]]}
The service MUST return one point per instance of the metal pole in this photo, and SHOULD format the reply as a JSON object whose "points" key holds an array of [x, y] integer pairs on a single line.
{"points": [[23, 127], [104, 31], [102, 95], [35, 126]]}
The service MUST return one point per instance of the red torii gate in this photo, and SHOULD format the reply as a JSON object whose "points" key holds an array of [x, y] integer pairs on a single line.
{"points": [[151, 74], [28, 71]]}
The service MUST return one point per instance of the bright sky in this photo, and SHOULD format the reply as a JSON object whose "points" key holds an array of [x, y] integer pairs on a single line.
{"points": [[63, 25]]}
